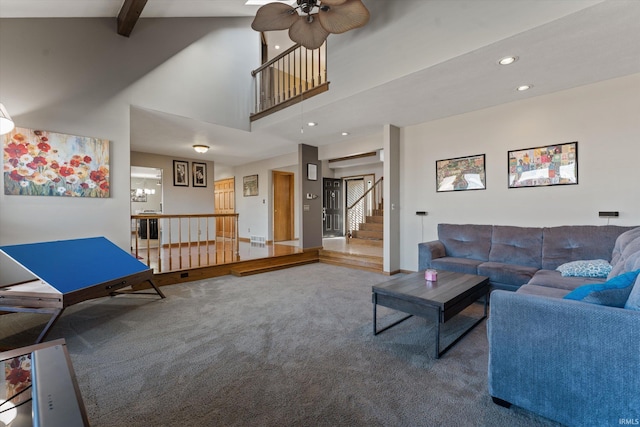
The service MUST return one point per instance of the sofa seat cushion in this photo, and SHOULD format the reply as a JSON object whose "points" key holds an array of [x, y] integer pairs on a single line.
{"points": [[459, 265], [553, 279], [516, 245], [544, 291], [510, 274], [613, 293]]}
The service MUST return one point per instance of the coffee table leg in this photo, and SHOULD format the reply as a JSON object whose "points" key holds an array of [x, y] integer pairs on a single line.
{"points": [[476, 323], [437, 319]]}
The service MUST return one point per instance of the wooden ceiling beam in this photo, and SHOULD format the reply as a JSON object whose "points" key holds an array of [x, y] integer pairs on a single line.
{"points": [[128, 16]]}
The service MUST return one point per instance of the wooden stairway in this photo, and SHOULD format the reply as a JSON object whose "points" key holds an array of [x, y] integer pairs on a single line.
{"points": [[370, 232]]}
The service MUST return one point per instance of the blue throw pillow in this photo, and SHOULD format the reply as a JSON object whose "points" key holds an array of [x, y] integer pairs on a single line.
{"points": [[590, 268], [613, 292]]}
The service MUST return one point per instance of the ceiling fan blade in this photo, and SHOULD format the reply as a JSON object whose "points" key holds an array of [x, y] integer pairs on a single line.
{"points": [[344, 17], [273, 17], [308, 32], [331, 2]]}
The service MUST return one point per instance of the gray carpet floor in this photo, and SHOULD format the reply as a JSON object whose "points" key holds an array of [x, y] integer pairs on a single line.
{"points": [[288, 348]]}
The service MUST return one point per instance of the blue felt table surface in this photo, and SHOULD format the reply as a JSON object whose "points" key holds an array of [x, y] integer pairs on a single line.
{"points": [[70, 265]]}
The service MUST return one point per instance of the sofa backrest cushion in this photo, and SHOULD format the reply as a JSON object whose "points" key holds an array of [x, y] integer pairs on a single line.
{"points": [[578, 242], [466, 240], [622, 245], [516, 245], [628, 258]]}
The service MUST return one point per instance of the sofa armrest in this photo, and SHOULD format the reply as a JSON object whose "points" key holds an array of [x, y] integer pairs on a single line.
{"points": [[573, 362], [428, 251]]}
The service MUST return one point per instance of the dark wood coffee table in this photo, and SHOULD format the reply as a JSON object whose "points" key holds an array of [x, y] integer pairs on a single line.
{"points": [[440, 300]]}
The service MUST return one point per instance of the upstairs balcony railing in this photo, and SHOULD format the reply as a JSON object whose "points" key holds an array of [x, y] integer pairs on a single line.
{"points": [[297, 73]]}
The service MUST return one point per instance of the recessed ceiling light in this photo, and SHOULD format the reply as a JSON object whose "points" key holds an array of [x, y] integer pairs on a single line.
{"points": [[312, 124], [277, 46], [524, 87], [507, 60], [345, 133]]}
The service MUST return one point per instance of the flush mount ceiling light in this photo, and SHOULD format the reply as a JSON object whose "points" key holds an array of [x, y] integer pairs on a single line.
{"points": [[201, 148], [508, 60], [312, 124], [311, 21], [523, 88], [6, 124]]}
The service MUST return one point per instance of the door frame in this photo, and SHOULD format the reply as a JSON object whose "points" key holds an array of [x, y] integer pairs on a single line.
{"points": [[291, 226]]}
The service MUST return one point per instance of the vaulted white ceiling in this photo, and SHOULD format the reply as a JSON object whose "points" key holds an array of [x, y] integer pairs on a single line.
{"points": [[417, 61]]}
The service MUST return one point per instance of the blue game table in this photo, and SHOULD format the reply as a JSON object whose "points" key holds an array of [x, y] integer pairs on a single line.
{"points": [[67, 272]]}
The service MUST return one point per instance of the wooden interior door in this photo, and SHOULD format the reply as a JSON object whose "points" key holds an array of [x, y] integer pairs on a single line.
{"points": [[224, 199], [283, 214]]}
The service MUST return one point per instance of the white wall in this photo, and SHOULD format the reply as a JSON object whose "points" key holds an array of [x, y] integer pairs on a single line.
{"points": [[605, 120], [78, 76], [256, 212]]}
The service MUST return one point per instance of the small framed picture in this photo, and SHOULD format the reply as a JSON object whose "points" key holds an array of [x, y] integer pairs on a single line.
{"points": [[461, 173], [250, 185], [312, 172], [180, 173], [199, 178]]}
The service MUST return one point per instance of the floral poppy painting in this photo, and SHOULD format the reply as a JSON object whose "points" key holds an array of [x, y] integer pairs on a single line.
{"points": [[42, 163]]}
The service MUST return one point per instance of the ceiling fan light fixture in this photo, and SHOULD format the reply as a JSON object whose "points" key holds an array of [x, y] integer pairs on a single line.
{"points": [[309, 33], [201, 148], [274, 17], [341, 18], [311, 22]]}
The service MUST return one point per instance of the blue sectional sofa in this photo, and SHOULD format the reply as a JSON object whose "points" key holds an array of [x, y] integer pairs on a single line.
{"points": [[514, 256], [575, 361]]}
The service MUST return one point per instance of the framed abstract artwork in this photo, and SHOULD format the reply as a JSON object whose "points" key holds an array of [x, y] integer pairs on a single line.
{"points": [[43, 163], [180, 173], [199, 172], [461, 173], [543, 166]]}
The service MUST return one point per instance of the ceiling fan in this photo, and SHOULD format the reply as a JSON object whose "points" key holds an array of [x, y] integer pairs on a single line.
{"points": [[311, 21]]}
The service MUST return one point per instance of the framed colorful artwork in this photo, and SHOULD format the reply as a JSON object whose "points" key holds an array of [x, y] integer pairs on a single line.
{"points": [[461, 173], [543, 166], [43, 163], [199, 172], [250, 185], [180, 173]]}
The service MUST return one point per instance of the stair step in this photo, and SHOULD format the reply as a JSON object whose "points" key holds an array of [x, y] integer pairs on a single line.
{"points": [[249, 270], [366, 242], [375, 218], [363, 262], [371, 226], [368, 234]]}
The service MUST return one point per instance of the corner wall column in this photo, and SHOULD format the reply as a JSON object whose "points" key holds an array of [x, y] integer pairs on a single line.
{"points": [[391, 192]]}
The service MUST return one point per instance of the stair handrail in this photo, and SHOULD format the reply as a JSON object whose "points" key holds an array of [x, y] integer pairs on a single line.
{"points": [[373, 189], [275, 59]]}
